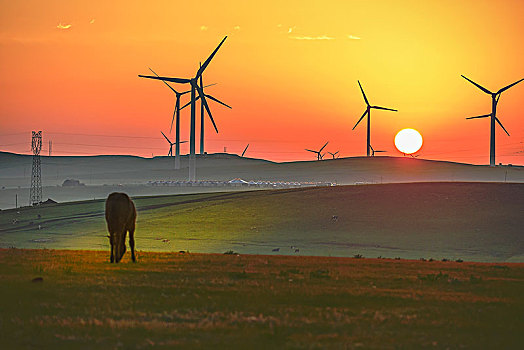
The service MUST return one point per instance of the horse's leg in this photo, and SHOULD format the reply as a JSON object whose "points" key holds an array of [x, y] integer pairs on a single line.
{"points": [[112, 259], [132, 243]]}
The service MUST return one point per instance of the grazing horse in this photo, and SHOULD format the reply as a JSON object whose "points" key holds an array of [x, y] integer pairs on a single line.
{"points": [[120, 217]]}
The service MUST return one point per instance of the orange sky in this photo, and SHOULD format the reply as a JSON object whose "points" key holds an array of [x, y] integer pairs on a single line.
{"points": [[289, 69]]}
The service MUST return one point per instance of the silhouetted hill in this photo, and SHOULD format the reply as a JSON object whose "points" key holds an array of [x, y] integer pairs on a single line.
{"points": [[93, 170], [131, 174]]}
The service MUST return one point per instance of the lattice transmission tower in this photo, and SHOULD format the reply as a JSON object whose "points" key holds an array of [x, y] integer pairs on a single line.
{"points": [[36, 175]]}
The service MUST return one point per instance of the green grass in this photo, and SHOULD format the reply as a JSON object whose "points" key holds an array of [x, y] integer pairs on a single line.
{"points": [[470, 221], [186, 300]]}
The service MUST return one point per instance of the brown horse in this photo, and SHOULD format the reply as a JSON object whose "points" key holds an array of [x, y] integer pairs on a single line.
{"points": [[120, 217]]}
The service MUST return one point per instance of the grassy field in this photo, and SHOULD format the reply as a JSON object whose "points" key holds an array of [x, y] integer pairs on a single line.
{"points": [[171, 300], [469, 221]]}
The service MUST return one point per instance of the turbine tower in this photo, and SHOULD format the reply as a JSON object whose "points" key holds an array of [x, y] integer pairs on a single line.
{"points": [[201, 114], [194, 89], [368, 112], [495, 96], [319, 152], [35, 196]]}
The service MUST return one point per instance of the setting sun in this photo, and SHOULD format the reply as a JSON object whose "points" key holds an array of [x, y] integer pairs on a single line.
{"points": [[408, 141]]}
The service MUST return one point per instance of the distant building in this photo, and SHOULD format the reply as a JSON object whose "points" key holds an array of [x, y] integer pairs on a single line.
{"points": [[72, 183], [238, 182]]}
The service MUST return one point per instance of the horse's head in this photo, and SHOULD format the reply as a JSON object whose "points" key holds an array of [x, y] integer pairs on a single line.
{"points": [[119, 246]]}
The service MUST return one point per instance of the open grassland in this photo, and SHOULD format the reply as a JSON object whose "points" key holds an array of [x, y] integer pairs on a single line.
{"points": [[247, 301], [469, 221]]}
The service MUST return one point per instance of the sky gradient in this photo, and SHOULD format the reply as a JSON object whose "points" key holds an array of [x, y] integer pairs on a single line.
{"points": [[289, 70]]}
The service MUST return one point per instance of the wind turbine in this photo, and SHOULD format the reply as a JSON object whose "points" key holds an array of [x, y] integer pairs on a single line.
{"points": [[368, 112], [319, 152], [495, 96], [245, 149], [170, 153], [177, 125], [202, 112], [194, 88], [176, 112], [333, 154], [373, 151]]}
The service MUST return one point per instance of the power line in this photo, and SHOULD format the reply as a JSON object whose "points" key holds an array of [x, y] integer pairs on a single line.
{"points": [[107, 146]]}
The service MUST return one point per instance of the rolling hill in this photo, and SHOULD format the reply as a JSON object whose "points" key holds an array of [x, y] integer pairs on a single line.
{"points": [[105, 174]]}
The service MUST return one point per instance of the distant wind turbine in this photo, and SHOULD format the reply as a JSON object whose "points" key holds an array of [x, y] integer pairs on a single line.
{"points": [[333, 154], [194, 89], [373, 151], [495, 96], [368, 112], [170, 153], [245, 149], [319, 154]]}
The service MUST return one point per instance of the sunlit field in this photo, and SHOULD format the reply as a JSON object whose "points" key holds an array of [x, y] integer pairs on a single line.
{"points": [[469, 221], [76, 299]]}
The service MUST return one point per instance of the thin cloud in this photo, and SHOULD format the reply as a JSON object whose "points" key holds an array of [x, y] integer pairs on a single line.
{"points": [[323, 37], [92, 21], [203, 27], [279, 25], [63, 26], [236, 27], [291, 29], [353, 37]]}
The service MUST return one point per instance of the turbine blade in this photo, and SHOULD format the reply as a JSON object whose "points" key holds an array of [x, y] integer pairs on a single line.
{"points": [[245, 149], [170, 153], [363, 94], [187, 104], [174, 80], [363, 115], [477, 85], [510, 85], [182, 142], [204, 66], [480, 116], [309, 150], [320, 150], [502, 126], [166, 137], [208, 85], [169, 86], [384, 108], [202, 96], [336, 153], [201, 82], [218, 101]]}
